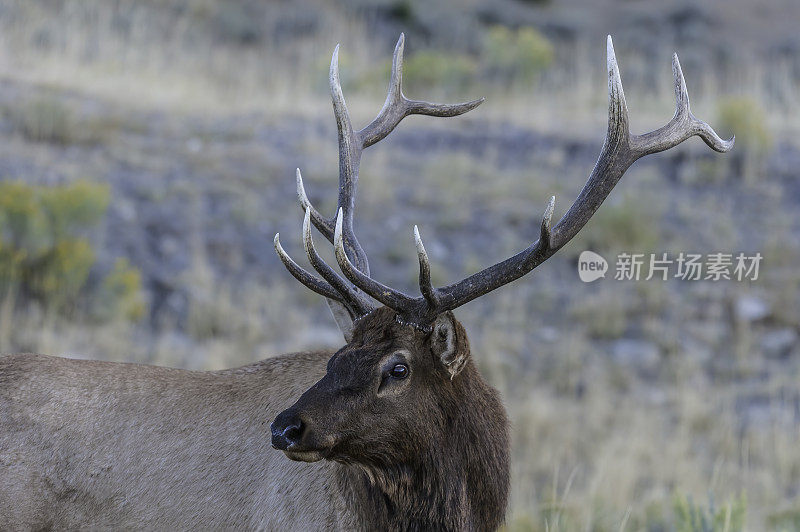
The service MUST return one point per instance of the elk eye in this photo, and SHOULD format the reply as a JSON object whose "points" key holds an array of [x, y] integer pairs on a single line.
{"points": [[399, 372]]}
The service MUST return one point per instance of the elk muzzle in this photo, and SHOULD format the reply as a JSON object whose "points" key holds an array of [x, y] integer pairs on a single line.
{"points": [[289, 433]]}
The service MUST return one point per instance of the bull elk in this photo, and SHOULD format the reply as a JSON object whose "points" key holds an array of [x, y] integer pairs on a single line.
{"points": [[405, 432]]}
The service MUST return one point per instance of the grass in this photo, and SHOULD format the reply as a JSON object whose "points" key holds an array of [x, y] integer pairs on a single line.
{"points": [[47, 116], [224, 56]]}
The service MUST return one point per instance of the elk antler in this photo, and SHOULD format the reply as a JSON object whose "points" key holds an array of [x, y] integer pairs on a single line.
{"points": [[351, 145], [620, 150]]}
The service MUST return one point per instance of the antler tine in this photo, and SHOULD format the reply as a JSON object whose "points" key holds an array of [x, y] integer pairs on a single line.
{"points": [[397, 106], [682, 126], [545, 237], [618, 121], [349, 296], [425, 285], [324, 226], [349, 160], [311, 281], [619, 152], [388, 296]]}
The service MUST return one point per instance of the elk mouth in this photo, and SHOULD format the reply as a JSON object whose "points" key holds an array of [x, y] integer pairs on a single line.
{"points": [[310, 455]]}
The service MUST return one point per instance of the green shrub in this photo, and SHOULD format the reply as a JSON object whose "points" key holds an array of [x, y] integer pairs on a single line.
{"points": [[785, 520], [44, 255], [239, 22], [121, 292], [57, 276], [507, 57], [515, 56], [630, 226], [74, 207], [437, 70], [45, 119], [605, 315], [745, 118], [691, 517], [402, 11], [24, 226]]}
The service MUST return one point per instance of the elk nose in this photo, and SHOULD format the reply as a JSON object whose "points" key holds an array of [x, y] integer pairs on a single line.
{"points": [[286, 430]]}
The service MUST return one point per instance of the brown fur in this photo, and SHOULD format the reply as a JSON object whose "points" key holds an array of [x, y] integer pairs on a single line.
{"points": [[109, 446]]}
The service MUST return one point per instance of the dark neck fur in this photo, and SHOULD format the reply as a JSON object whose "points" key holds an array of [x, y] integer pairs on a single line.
{"points": [[459, 482]]}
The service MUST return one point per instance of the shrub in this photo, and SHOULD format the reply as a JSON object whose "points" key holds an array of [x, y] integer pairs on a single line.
{"points": [[23, 224], [605, 315], [437, 70], [44, 255], [45, 119], [691, 517], [515, 56], [785, 520], [41, 253], [744, 117], [630, 226], [74, 207], [121, 292], [57, 276], [239, 22]]}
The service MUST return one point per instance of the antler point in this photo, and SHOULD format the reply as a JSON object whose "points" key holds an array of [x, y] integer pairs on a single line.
{"points": [[301, 191], [727, 145], [337, 235], [307, 240], [418, 242], [335, 62], [548, 213]]}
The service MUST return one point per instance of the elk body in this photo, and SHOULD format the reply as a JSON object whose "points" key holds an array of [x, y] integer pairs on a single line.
{"points": [[395, 431], [123, 446]]}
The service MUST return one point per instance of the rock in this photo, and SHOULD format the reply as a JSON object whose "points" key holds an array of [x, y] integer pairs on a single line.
{"points": [[751, 308], [779, 344], [126, 209], [635, 353], [548, 334], [194, 145]]}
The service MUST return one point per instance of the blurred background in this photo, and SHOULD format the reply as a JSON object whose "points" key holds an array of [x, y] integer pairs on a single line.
{"points": [[147, 158]]}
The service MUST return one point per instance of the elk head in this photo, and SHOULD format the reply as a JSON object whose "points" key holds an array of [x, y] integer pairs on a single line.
{"points": [[408, 361], [383, 396]]}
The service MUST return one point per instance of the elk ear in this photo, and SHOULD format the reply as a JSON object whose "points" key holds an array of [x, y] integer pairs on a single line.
{"points": [[343, 318], [449, 343]]}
